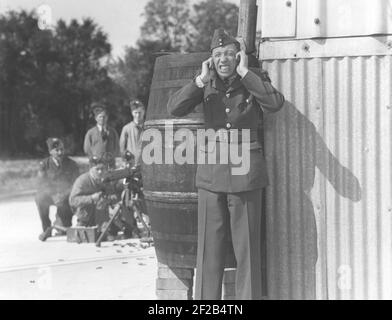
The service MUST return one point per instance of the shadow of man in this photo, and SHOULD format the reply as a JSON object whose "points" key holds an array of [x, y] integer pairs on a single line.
{"points": [[294, 149]]}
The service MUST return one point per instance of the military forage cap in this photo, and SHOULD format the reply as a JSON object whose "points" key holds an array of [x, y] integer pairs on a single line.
{"points": [[97, 109], [221, 38], [95, 160], [135, 104], [53, 143]]}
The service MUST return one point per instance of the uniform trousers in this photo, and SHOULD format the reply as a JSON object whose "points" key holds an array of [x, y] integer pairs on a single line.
{"points": [[218, 215], [43, 201]]}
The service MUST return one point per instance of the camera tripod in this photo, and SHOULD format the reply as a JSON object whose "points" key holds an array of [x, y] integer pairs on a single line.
{"points": [[131, 202]]}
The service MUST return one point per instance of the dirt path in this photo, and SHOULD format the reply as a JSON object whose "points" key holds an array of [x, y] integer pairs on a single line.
{"points": [[31, 269]]}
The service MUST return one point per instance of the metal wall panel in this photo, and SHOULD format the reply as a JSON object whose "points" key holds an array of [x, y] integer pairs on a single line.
{"points": [[291, 139], [329, 204], [305, 19], [357, 97]]}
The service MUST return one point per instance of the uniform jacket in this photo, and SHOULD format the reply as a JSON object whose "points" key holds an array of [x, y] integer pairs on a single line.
{"points": [[130, 139], [95, 145], [236, 106], [57, 180], [81, 196]]}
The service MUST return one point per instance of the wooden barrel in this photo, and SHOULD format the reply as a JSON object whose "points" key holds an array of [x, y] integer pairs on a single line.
{"points": [[169, 189]]}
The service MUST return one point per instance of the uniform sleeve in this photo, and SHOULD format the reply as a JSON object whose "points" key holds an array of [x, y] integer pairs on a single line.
{"points": [[64, 187], [75, 171], [183, 101], [116, 144], [77, 198], [123, 140], [42, 176], [135, 143], [259, 85], [87, 144]]}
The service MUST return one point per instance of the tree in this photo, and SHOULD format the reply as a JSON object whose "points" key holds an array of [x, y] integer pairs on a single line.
{"points": [[170, 26], [49, 79], [134, 72], [24, 53], [208, 16], [79, 78], [167, 21], [165, 29]]}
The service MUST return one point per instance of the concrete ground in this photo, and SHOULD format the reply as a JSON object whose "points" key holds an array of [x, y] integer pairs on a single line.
{"points": [[56, 269]]}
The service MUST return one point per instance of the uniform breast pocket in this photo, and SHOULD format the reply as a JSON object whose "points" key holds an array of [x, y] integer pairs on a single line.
{"points": [[210, 99], [210, 103], [246, 105]]}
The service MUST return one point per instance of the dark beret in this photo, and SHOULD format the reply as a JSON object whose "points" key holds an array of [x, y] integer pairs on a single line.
{"points": [[95, 160], [105, 159], [54, 143]]}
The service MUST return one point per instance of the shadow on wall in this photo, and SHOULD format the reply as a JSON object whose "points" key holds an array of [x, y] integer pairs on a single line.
{"points": [[293, 150]]}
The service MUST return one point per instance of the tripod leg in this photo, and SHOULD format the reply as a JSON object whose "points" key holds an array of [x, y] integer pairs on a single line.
{"points": [[106, 229], [140, 215]]}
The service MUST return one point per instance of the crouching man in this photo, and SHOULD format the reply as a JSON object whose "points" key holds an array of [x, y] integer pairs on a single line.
{"points": [[91, 198], [55, 178]]}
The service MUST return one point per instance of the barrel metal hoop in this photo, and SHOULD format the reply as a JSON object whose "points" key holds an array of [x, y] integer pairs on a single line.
{"points": [[170, 197], [174, 237], [162, 84], [175, 122]]}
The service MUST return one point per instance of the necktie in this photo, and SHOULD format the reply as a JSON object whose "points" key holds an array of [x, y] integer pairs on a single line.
{"points": [[104, 134]]}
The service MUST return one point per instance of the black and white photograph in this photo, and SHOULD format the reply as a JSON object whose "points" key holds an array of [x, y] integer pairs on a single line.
{"points": [[176, 150]]}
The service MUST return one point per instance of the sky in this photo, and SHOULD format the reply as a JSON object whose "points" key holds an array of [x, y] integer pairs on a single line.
{"points": [[120, 19]]}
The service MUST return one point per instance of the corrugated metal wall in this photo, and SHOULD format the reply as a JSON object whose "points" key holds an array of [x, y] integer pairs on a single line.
{"points": [[329, 207], [304, 19]]}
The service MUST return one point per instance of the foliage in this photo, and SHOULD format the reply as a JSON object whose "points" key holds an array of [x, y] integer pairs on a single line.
{"points": [[167, 21], [48, 80], [208, 16], [171, 26], [134, 72]]}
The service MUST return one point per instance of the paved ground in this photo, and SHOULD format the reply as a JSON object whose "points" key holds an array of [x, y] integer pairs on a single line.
{"points": [[31, 269]]}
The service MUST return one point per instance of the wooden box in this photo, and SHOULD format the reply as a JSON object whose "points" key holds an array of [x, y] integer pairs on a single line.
{"points": [[82, 234]]}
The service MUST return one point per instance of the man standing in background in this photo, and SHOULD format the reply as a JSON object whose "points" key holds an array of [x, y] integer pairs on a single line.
{"points": [[130, 138], [101, 139]]}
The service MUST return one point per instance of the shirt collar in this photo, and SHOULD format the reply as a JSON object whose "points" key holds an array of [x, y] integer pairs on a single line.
{"points": [[231, 79], [217, 83], [100, 128], [56, 162], [139, 126]]}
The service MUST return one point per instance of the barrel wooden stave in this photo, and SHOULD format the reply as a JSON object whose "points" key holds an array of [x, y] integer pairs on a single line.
{"points": [[170, 192], [169, 189]]}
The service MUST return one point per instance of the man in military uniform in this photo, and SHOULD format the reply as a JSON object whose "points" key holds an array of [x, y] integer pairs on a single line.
{"points": [[55, 178], [91, 197], [130, 138], [233, 98], [101, 139]]}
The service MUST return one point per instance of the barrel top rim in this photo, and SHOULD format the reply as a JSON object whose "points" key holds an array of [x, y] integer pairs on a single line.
{"points": [[175, 56]]}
